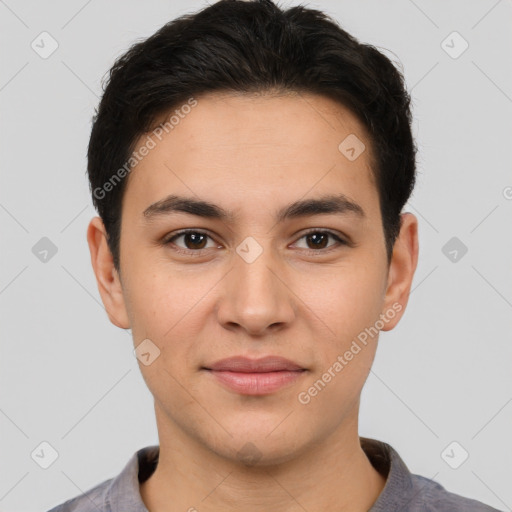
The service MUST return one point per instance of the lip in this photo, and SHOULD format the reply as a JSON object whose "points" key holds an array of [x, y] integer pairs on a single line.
{"points": [[262, 376], [247, 365]]}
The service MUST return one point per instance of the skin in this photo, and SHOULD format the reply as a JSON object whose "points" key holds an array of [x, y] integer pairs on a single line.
{"points": [[253, 155]]}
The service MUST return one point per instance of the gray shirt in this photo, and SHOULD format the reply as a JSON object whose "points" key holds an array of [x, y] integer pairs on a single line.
{"points": [[403, 492]]}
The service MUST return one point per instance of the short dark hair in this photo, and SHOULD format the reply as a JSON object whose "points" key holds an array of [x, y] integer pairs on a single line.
{"points": [[251, 47]]}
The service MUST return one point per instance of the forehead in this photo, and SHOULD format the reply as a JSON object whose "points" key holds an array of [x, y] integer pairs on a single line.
{"points": [[254, 150]]}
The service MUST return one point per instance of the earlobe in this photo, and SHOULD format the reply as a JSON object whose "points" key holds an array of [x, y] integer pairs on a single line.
{"points": [[401, 271], [107, 277]]}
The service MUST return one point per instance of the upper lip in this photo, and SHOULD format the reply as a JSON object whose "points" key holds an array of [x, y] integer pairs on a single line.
{"points": [[248, 365]]}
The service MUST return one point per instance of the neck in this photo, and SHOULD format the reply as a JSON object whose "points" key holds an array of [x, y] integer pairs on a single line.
{"points": [[332, 475]]}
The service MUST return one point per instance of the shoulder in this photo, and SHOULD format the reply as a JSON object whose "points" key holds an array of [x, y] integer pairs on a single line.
{"points": [[93, 499], [119, 494], [430, 496], [405, 491]]}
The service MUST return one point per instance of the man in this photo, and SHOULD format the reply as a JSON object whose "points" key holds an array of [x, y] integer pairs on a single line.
{"points": [[250, 166]]}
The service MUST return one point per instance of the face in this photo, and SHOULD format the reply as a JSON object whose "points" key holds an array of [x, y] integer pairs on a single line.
{"points": [[287, 259]]}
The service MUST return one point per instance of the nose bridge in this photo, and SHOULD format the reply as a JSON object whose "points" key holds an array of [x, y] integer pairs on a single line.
{"points": [[256, 296]]}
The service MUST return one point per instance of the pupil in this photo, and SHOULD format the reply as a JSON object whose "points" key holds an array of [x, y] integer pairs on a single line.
{"points": [[315, 237], [194, 237]]}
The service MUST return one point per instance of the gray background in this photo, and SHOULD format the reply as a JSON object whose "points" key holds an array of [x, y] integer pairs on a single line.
{"points": [[68, 377]]}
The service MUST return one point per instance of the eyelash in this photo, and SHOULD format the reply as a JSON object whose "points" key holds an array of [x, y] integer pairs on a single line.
{"points": [[199, 252]]}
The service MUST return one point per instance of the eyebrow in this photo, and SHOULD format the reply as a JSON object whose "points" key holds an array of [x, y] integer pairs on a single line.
{"points": [[329, 204]]}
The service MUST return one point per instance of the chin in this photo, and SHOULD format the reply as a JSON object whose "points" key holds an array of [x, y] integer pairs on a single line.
{"points": [[254, 447]]}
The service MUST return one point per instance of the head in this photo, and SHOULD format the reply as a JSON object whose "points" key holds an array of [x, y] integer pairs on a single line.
{"points": [[284, 145]]}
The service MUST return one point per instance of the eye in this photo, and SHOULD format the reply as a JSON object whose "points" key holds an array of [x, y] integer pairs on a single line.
{"points": [[317, 240], [193, 240]]}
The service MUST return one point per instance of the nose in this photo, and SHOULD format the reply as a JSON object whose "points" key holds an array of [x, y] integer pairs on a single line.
{"points": [[256, 297]]}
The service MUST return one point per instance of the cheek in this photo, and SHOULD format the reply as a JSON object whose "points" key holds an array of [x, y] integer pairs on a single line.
{"points": [[346, 299], [158, 299], [171, 311], [349, 307]]}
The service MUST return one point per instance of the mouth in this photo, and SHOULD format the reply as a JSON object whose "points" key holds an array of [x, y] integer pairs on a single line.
{"points": [[243, 364], [255, 376]]}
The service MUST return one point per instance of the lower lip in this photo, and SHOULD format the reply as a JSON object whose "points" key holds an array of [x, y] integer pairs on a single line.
{"points": [[256, 383]]}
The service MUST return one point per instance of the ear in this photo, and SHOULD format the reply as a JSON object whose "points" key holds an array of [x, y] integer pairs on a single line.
{"points": [[107, 277], [401, 270]]}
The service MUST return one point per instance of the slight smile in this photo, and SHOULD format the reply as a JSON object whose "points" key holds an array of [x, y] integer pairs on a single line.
{"points": [[262, 376]]}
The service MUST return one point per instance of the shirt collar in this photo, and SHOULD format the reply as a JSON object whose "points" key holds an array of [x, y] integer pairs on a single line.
{"points": [[397, 492], [123, 494]]}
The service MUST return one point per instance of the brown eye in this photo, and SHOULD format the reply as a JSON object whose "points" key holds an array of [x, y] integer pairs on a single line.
{"points": [[318, 240], [192, 240]]}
